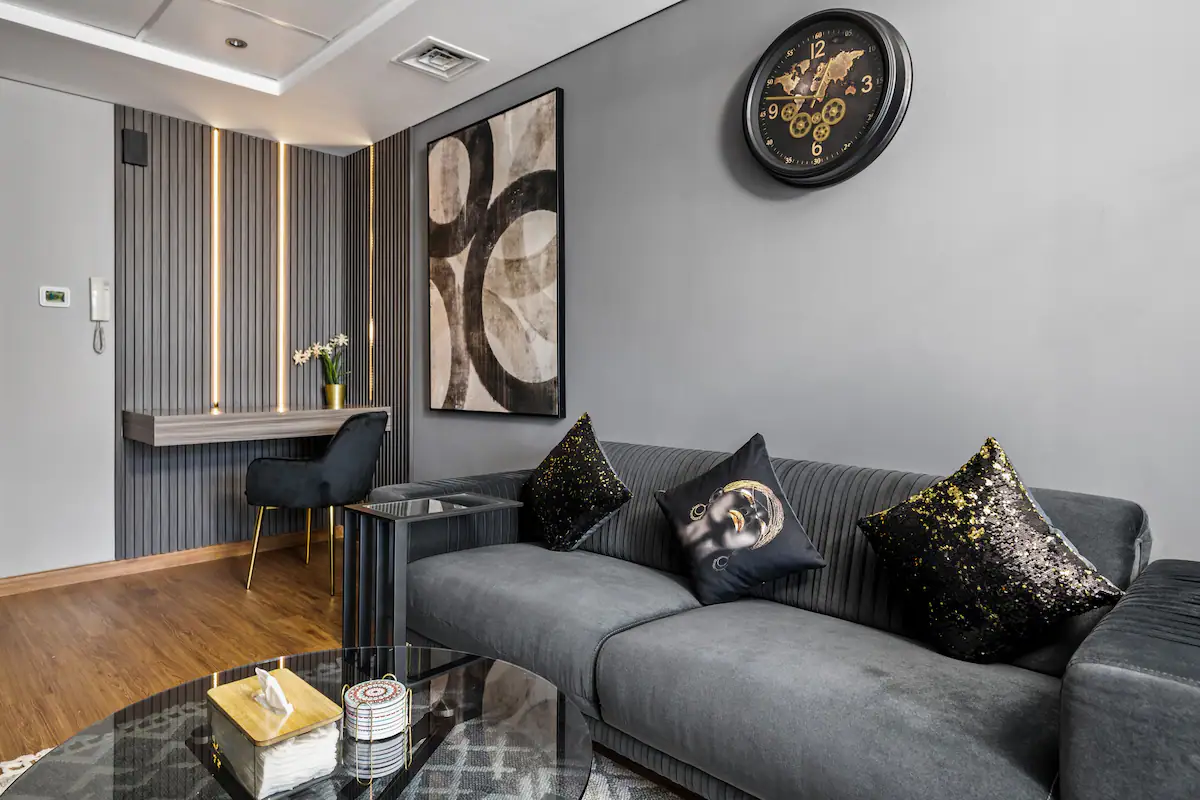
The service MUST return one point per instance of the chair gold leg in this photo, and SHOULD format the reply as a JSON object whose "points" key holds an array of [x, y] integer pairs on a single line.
{"points": [[254, 548], [307, 533], [332, 584]]}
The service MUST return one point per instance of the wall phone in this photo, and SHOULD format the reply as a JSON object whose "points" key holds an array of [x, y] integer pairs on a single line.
{"points": [[101, 299], [101, 309]]}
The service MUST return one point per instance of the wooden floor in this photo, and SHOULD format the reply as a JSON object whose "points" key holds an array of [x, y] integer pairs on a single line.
{"points": [[74, 655]]}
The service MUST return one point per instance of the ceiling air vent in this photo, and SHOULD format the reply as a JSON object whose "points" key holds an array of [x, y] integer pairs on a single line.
{"points": [[439, 59]]}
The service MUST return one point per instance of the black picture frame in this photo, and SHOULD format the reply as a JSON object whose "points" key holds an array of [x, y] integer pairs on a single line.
{"points": [[534, 188]]}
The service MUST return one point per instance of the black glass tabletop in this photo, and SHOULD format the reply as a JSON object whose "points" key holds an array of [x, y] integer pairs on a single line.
{"points": [[478, 728], [419, 509]]}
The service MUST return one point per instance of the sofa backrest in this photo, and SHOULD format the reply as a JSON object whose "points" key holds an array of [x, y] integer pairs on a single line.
{"points": [[829, 499], [638, 531]]}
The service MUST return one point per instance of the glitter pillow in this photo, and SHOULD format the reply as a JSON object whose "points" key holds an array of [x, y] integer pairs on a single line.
{"points": [[573, 490], [983, 572], [737, 527]]}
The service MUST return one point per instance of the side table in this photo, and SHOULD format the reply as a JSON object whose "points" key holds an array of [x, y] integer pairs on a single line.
{"points": [[375, 561]]}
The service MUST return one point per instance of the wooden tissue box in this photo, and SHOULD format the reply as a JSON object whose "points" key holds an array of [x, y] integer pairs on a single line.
{"points": [[268, 753]]}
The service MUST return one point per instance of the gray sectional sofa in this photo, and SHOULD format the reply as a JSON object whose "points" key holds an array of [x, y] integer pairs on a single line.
{"points": [[812, 689]]}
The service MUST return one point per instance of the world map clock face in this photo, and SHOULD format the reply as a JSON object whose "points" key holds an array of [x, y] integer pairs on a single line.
{"points": [[822, 95]]}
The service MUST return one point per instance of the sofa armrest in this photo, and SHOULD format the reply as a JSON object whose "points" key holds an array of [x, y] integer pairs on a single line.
{"points": [[460, 533], [1131, 695]]}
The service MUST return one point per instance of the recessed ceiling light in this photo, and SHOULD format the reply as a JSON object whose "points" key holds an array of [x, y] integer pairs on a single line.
{"points": [[240, 44]]}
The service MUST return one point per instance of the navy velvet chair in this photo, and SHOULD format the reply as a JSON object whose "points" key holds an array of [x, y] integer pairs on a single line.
{"points": [[339, 477]]}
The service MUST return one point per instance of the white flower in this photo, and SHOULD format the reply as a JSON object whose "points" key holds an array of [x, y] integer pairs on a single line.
{"points": [[340, 340], [316, 348], [300, 357]]}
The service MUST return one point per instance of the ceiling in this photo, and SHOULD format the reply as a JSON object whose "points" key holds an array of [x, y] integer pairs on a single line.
{"points": [[315, 73]]}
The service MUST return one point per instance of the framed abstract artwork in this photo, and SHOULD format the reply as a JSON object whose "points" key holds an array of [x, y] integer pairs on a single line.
{"points": [[495, 263]]}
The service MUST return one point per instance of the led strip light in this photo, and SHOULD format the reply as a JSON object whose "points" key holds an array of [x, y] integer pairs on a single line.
{"points": [[281, 284], [215, 356], [371, 285]]}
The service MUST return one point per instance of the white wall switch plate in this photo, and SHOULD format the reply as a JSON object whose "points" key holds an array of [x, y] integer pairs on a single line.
{"points": [[54, 296]]}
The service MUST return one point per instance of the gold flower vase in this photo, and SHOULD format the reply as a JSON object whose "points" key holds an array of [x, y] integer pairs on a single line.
{"points": [[335, 395]]}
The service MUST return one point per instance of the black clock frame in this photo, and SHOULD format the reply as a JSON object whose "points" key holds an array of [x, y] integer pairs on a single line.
{"points": [[897, 60]]}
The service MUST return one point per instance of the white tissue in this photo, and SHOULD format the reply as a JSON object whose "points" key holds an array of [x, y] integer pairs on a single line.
{"points": [[271, 697]]}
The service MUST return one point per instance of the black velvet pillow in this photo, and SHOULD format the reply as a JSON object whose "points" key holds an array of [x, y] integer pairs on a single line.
{"points": [[573, 490], [737, 527], [983, 572]]}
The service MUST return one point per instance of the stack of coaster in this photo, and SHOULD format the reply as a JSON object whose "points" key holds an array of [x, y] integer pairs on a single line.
{"points": [[376, 724]]}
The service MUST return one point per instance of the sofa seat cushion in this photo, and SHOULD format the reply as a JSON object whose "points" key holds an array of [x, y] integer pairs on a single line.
{"points": [[545, 611], [786, 703]]}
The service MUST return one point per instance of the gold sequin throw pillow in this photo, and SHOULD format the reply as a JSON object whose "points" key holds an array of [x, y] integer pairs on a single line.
{"points": [[982, 571]]}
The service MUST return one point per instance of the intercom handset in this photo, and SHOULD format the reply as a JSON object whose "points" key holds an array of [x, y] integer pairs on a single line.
{"points": [[101, 309]]}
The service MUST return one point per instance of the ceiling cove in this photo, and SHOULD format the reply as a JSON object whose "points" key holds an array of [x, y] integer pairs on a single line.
{"points": [[288, 39]]}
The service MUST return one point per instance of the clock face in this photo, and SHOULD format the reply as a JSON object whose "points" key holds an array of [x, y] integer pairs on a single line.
{"points": [[827, 97], [821, 96]]}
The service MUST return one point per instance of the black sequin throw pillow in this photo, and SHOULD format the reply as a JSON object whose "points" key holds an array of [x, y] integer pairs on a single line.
{"points": [[573, 490], [982, 571]]}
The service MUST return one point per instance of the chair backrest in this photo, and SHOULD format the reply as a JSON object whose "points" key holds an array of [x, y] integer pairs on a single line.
{"points": [[829, 499], [349, 462]]}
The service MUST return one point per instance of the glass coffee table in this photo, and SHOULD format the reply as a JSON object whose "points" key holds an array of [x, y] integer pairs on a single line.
{"points": [[480, 728]]}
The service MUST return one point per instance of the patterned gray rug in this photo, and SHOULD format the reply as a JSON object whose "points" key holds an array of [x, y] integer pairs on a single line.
{"points": [[10, 770], [111, 759], [609, 781]]}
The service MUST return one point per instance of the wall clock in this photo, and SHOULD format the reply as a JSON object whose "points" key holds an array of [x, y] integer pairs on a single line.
{"points": [[827, 97]]}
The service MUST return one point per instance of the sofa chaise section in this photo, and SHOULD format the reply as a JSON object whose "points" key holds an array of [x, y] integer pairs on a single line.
{"points": [[783, 703]]}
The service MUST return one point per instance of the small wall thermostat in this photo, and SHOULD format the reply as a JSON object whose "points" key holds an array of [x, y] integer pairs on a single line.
{"points": [[54, 296]]}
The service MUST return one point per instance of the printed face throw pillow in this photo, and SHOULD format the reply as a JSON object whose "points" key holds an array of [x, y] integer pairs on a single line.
{"points": [[737, 527]]}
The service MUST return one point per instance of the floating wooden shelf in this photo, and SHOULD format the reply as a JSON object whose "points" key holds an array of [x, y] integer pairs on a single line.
{"points": [[172, 428]]}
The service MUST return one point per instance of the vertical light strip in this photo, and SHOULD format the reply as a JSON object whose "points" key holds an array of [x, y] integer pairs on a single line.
{"points": [[371, 285], [281, 284], [216, 270]]}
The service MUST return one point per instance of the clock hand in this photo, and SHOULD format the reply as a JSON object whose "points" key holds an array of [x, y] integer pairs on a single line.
{"points": [[792, 97], [820, 95]]}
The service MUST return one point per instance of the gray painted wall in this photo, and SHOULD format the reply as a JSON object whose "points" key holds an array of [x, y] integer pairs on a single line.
{"points": [[56, 398], [1020, 263]]}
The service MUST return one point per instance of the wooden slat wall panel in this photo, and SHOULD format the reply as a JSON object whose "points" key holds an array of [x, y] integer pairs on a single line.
{"points": [[356, 174], [178, 498], [392, 285], [387, 278], [248, 329], [315, 270]]}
